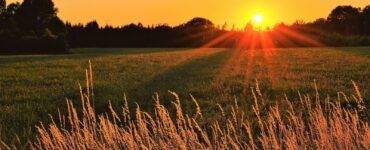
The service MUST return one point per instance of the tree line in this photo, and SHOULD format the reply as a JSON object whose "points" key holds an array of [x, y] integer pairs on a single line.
{"points": [[34, 26]]}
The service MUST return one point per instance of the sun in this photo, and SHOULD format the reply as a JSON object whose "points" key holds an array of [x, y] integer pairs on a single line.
{"points": [[258, 19], [260, 22]]}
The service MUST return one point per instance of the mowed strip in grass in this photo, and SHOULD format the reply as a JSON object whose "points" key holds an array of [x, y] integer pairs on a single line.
{"points": [[31, 87]]}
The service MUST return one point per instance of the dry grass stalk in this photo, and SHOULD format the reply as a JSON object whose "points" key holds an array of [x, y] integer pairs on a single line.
{"points": [[313, 125], [340, 129]]}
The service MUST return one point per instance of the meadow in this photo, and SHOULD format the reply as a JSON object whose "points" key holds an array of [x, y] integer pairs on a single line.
{"points": [[32, 87]]}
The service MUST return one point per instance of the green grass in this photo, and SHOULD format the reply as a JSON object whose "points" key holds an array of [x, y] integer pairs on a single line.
{"points": [[31, 87]]}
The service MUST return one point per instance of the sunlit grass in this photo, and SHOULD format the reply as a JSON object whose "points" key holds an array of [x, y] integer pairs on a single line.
{"points": [[31, 87], [304, 123]]}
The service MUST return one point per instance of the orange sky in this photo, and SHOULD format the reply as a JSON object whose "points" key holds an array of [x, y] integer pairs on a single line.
{"points": [[174, 12]]}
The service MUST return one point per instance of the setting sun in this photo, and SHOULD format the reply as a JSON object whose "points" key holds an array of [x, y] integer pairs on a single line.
{"points": [[259, 22], [258, 19]]}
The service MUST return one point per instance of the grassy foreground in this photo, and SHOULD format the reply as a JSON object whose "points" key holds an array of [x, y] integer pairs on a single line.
{"points": [[32, 87], [306, 124]]}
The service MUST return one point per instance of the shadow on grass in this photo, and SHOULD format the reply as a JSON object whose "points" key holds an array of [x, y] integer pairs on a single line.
{"points": [[194, 76]]}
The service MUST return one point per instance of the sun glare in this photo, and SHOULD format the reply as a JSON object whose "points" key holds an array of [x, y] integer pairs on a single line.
{"points": [[258, 19], [259, 22]]}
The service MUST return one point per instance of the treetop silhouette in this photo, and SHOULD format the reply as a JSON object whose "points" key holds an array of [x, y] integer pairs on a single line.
{"points": [[34, 26]]}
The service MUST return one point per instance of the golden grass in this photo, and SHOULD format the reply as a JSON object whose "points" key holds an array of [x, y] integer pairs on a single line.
{"points": [[304, 123]]}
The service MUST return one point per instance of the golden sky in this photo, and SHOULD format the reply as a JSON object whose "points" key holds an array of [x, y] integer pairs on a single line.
{"points": [[174, 12]]}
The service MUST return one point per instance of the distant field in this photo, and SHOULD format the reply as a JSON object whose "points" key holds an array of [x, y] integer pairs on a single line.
{"points": [[31, 87]]}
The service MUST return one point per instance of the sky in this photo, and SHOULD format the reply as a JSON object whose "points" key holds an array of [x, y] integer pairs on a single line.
{"points": [[175, 12]]}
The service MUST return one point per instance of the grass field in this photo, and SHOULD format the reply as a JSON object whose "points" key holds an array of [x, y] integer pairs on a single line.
{"points": [[31, 87]]}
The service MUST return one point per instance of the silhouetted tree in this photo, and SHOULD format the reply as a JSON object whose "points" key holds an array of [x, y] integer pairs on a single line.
{"points": [[2, 12], [2, 7], [320, 22], [224, 26], [366, 20], [57, 26], [345, 19], [199, 23], [248, 27], [37, 14], [92, 26], [32, 25], [12, 10], [9, 22]]}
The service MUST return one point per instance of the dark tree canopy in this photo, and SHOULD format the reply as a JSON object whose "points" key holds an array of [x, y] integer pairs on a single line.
{"points": [[92, 26], [366, 12], [34, 25], [366, 18], [345, 19], [2, 6], [343, 13], [2, 11], [12, 10], [200, 23], [57, 26], [37, 14], [43, 9]]}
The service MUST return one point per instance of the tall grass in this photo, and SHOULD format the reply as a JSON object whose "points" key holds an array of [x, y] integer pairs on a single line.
{"points": [[304, 123]]}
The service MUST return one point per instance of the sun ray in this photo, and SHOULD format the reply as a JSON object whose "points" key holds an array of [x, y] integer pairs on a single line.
{"points": [[302, 39]]}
